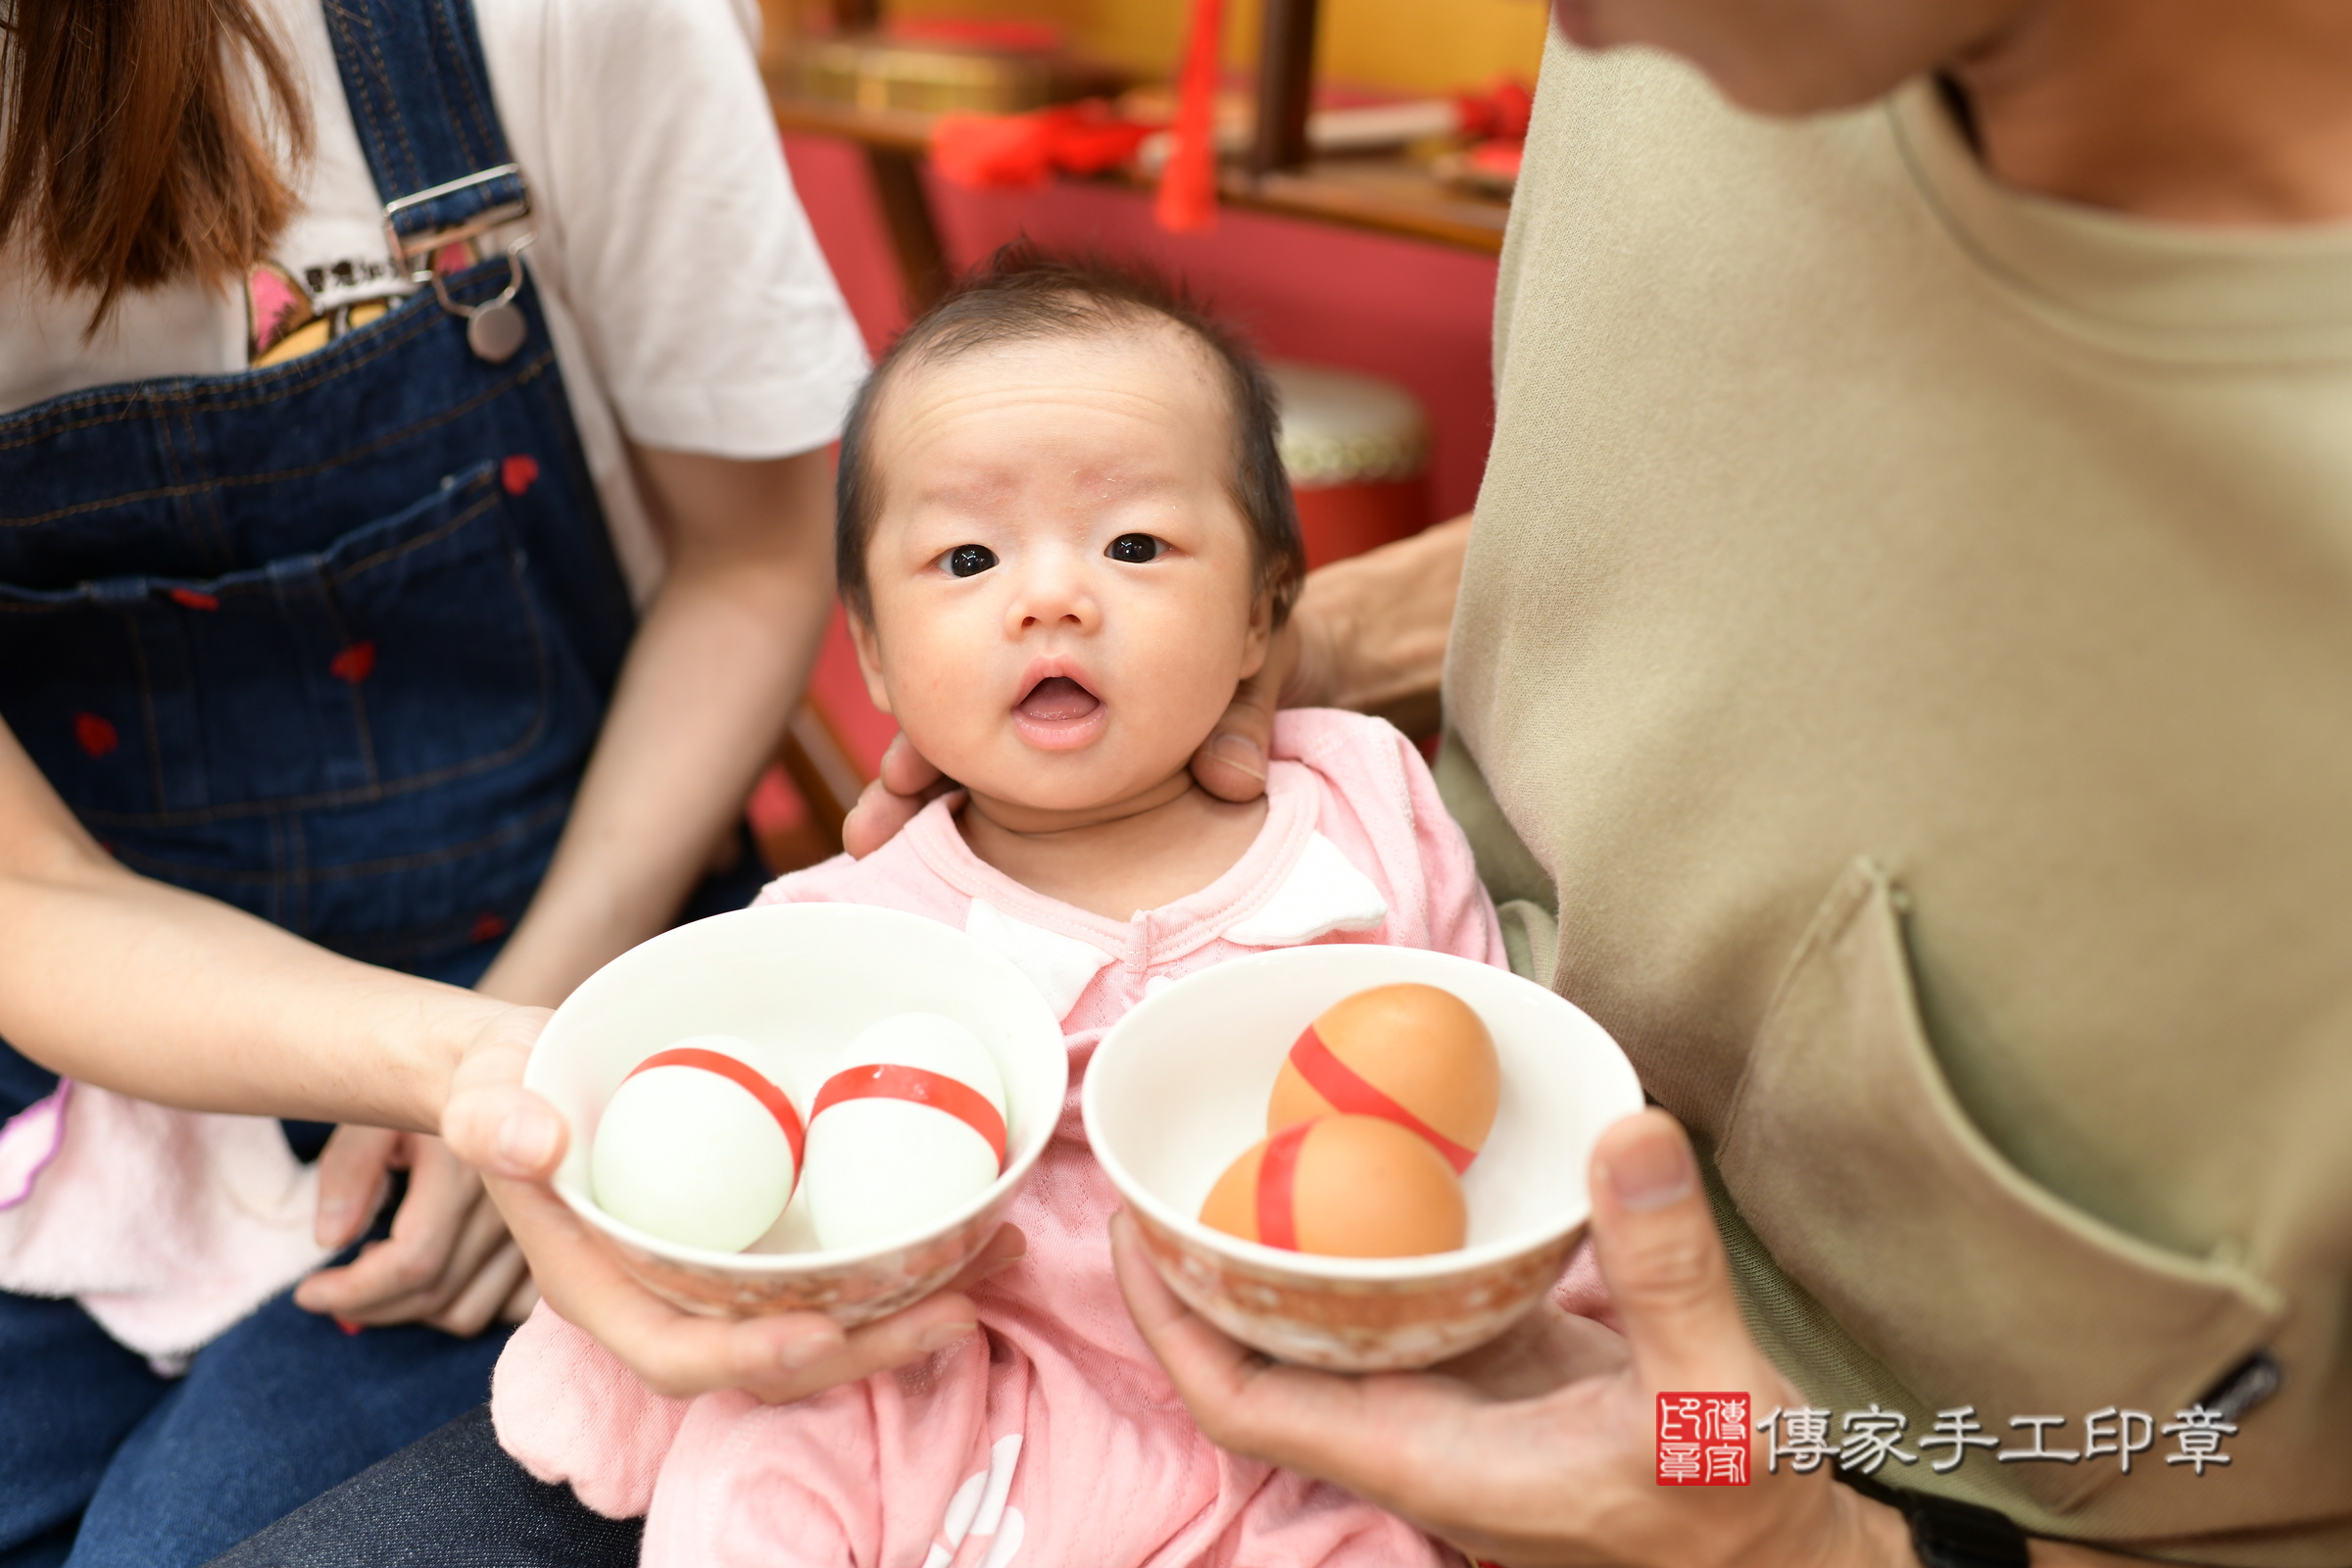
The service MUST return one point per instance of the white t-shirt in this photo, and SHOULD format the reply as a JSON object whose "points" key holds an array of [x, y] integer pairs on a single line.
{"points": [[686, 297]]}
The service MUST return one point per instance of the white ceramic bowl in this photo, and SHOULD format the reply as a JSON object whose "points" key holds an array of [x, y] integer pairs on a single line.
{"points": [[802, 979], [1178, 1090]]}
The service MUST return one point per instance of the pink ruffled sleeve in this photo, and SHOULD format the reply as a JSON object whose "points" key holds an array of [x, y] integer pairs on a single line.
{"points": [[568, 1411]]}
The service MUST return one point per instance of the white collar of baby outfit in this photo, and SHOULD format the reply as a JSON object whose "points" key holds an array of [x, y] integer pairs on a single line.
{"points": [[1323, 893], [1061, 968]]}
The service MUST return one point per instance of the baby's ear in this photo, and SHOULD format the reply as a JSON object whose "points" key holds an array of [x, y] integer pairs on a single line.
{"points": [[870, 657], [1259, 636]]}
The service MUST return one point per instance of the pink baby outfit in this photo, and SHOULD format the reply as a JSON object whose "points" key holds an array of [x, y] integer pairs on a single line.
{"points": [[1052, 1439]]}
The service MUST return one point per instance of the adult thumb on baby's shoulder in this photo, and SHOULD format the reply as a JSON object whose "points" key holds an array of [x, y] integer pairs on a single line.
{"points": [[1663, 1260], [1230, 764], [905, 784]]}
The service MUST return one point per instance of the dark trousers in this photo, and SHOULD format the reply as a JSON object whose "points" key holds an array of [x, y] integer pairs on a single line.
{"points": [[164, 1474], [451, 1500]]}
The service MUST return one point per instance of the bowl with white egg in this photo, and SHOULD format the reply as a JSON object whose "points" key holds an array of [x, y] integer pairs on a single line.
{"points": [[779, 997]]}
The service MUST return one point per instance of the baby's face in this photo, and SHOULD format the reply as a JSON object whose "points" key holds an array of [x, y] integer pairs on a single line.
{"points": [[1063, 588]]}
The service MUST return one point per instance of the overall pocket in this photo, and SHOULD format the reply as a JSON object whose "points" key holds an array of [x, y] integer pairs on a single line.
{"points": [[408, 653], [1848, 1154]]}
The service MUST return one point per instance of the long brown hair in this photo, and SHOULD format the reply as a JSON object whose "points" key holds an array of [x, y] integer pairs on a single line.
{"points": [[132, 153]]}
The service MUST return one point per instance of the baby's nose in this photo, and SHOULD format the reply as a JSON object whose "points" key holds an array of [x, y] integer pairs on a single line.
{"points": [[1052, 594]]}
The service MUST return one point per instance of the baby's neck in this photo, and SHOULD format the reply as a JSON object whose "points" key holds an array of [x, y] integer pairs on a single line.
{"points": [[1115, 859]]}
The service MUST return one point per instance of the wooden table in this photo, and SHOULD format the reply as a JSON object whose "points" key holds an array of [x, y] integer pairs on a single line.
{"points": [[1386, 194]]}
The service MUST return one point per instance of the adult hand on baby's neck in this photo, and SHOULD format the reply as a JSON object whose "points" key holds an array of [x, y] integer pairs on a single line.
{"points": [[1119, 857]]}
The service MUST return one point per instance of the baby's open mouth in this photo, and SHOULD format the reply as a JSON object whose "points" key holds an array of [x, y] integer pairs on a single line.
{"points": [[1056, 699]]}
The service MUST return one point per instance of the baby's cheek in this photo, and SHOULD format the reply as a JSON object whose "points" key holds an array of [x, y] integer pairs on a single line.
{"points": [[950, 719], [1192, 693]]}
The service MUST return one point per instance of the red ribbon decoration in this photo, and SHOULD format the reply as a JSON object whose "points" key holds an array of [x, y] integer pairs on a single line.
{"points": [[1349, 1093], [890, 1080], [758, 1087], [1277, 1171], [1015, 152], [1187, 200]]}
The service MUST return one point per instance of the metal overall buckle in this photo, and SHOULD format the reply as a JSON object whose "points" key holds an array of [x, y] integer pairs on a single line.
{"points": [[494, 329]]}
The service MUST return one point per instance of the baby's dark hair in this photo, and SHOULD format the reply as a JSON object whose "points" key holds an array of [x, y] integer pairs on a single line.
{"points": [[1022, 294]]}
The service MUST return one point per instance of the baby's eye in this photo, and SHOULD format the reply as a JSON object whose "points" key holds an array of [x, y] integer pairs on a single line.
{"points": [[1135, 548], [969, 561]]}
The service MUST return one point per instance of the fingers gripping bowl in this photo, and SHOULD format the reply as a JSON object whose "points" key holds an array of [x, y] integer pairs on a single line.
{"points": [[800, 981], [1179, 1088]]}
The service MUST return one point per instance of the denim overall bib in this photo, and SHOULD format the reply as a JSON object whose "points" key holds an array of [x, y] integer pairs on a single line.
{"points": [[330, 642]]}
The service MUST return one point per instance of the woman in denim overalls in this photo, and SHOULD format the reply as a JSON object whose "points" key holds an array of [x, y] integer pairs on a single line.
{"points": [[333, 643]]}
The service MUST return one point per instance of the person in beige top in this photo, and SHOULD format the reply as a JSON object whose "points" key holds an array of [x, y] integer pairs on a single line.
{"points": [[1902, 680]]}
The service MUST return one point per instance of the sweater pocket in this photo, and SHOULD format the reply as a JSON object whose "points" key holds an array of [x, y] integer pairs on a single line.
{"points": [[1848, 1154]]}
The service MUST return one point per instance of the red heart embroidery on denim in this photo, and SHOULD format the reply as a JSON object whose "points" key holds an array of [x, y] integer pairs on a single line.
{"points": [[190, 599], [517, 472], [353, 664], [96, 735], [487, 927]]}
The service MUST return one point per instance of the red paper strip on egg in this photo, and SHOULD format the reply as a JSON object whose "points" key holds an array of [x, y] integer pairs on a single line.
{"points": [[1347, 1091], [1412, 1055], [1276, 1181], [894, 1081], [1341, 1187], [743, 1076]]}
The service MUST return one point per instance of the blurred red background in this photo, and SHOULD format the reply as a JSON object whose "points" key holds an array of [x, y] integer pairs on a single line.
{"points": [[1416, 313]]}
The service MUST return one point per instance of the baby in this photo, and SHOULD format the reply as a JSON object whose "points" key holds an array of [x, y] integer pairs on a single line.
{"points": [[1065, 537]]}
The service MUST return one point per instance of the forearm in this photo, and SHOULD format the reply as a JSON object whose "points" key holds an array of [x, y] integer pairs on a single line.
{"points": [[718, 662], [1373, 627], [127, 983]]}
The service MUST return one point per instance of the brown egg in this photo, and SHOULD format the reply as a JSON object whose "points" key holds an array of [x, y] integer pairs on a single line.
{"points": [[1413, 1053], [1344, 1187]]}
